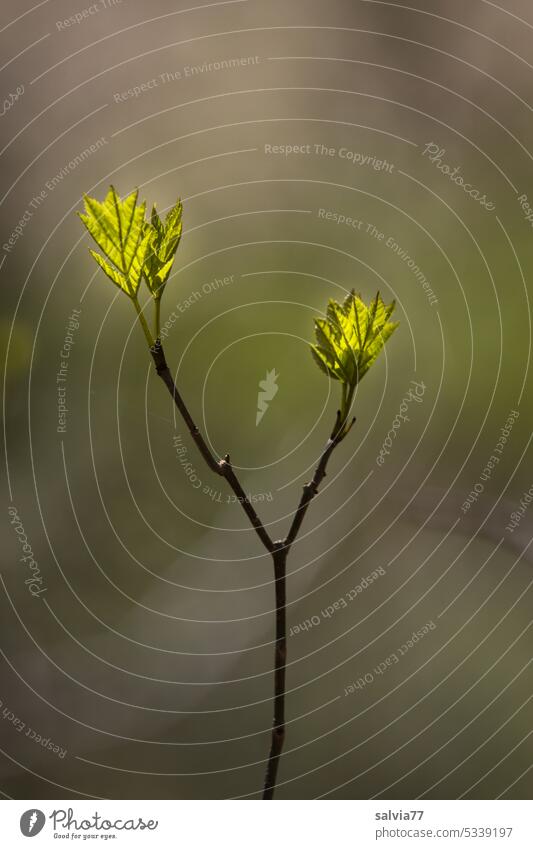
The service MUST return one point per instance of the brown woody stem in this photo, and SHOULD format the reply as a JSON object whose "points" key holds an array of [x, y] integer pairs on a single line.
{"points": [[279, 556], [279, 550], [311, 488]]}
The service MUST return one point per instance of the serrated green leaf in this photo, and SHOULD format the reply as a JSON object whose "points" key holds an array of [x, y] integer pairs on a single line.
{"points": [[327, 334], [351, 337], [349, 329], [99, 232], [156, 222], [323, 362], [377, 344], [164, 240], [111, 272], [118, 228], [349, 299], [138, 261], [332, 344]]}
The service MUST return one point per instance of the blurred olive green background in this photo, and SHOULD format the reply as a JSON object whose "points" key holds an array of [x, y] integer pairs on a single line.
{"points": [[149, 657]]}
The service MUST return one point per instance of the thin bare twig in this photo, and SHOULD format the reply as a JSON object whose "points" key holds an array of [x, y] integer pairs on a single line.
{"points": [[279, 550], [310, 489], [219, 467], [280, 664], [279, 555]]}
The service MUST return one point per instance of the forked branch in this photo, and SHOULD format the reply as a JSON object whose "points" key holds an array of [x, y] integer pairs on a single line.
{"points": [[348, 340], [279, 550]]}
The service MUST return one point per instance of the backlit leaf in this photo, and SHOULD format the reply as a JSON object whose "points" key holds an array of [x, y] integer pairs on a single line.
{"points": [[351, 337], [111, 272], [118, 228], [164, 238]]}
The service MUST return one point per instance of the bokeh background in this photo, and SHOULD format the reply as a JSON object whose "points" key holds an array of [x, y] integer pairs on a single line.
{"points": [[147, 657]]}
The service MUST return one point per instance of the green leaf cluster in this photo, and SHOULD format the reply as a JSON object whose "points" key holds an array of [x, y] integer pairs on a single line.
{"points": [[164, 238], [133, 247], [349, 340]]}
